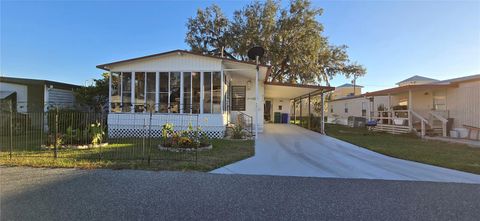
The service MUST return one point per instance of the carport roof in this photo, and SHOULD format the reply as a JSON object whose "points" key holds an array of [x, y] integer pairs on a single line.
{"points": [[291, 91]]}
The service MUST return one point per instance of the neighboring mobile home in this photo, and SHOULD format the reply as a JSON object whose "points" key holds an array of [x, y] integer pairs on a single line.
{"points": [[32, 95], [344, 103], [429, 106], [173, 86]]}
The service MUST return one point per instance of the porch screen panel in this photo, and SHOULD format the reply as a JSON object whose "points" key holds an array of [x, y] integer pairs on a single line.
{"points": [[150, 91], [163, 93], [126, 91], [196, 92], [174, 92], [187, 92], [216, 92], [207, 92], [238, 98], [115, 92], [139, 91]]}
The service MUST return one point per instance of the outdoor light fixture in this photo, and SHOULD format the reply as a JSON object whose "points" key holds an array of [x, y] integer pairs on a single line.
{"points": [[256, 53], [249, 84]]}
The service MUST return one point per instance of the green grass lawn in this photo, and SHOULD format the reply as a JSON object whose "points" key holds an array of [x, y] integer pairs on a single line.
{"points": [[132, 154], [410, 147]]}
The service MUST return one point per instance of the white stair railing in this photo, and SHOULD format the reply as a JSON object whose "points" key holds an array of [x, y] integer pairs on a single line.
{"points": [[423, 122], [443, 120]]}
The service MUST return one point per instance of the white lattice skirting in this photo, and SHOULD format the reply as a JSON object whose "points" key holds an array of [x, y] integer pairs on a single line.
{"points": [[122, 125]]}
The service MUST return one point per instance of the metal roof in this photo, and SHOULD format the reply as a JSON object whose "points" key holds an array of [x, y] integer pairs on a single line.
{"points": [[105, 66], [349, 85], [27, 81], [417, 78]]}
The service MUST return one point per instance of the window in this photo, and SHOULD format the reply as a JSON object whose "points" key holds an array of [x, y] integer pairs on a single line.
{"points": [[163, 92], [238, 98], [139, 92], [126, 91], [364, 109], [331, 110], [439, 101], [115, 92], [346, 108], [207, 92], [167, 92], [196, 92], [150, 85], [216, 92], [279, 107], [187, 92], [174, 92]]}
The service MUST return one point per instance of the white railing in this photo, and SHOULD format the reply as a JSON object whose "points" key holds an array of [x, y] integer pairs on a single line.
{"points": [[393, 117], [423, 122], [443, 120]]}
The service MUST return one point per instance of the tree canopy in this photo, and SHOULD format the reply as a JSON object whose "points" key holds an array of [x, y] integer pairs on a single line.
{"points": [[292, 37], [94, 97]]}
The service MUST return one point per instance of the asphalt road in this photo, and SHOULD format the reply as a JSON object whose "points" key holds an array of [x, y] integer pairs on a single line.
{"points": [[70, 194], [290, 150]]}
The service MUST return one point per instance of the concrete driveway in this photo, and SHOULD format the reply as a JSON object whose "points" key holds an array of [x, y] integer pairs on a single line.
{"points": [[289, 150]]}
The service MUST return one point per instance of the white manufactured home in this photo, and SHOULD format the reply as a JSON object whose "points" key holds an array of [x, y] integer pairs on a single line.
{"points": [[185, 88]]}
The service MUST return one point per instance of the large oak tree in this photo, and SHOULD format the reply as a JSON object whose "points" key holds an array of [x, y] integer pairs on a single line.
{"points": [[293, 38]]}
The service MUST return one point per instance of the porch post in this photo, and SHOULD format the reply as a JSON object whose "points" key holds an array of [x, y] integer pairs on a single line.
{"points": [[157, 90], [309, 113], [388, 113], [322, 130], [109, 91], [222, 90], [201, 92], [132, 99], [410, 108], [181, 93]]}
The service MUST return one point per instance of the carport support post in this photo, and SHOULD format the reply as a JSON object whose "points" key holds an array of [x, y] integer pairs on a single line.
{"points": [[410, 106], [256, 99], [322, 129], [309, 112], [300, 103], [294, 114]]}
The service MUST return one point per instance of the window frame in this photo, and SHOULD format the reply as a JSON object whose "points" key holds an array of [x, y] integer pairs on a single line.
{"points": [[233, 106]]}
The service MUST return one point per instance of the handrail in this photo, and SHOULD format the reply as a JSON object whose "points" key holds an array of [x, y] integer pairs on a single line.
{"points": [[438, 117], [418, 116], [423, 121], [250, 118], [444, 122]]}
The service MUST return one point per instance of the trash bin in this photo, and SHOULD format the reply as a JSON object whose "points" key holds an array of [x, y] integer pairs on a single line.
{"points": [[277, 117], [284, 118]]}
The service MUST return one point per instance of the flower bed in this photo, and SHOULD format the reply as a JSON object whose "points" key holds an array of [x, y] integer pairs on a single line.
{"points": [[183, 149], [182, 141]]}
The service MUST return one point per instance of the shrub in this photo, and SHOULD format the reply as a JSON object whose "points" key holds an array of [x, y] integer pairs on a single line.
{"points": [[237, 132], [167, 131], [96, 133]]}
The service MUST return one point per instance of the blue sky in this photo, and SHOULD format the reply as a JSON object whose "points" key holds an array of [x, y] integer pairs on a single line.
{"points": [[65, 40]]}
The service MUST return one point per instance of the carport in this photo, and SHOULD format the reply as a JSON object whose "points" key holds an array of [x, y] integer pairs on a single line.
{"points": [[300, 101]]}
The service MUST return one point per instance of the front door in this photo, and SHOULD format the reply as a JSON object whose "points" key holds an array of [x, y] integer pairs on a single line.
{"points": [[266, 110]]}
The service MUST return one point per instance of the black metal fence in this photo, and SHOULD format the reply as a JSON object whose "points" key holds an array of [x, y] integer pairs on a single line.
{"points": [[64, 133]]}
